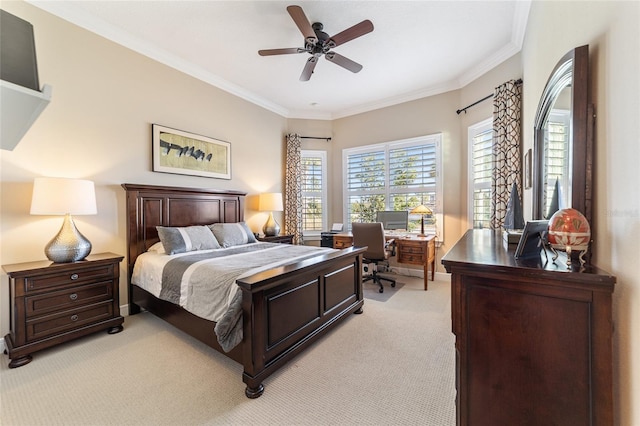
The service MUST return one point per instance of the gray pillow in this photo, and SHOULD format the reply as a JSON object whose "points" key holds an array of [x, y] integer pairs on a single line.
{"points": [[187, 238], [232, 234]]}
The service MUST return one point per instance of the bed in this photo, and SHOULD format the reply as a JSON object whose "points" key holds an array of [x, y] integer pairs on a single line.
{"points": [[284, 309]]}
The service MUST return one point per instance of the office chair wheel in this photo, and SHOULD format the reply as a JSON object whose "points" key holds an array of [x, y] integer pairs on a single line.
{"points": [[393, 284], [381, 290]]}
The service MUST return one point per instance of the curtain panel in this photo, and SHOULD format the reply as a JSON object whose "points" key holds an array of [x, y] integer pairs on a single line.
{"points": [[293, 189], [507, 166]]}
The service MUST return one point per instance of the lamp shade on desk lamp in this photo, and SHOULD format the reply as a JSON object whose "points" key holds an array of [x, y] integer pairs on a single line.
{"points": [[60, 196], [270, 202]]}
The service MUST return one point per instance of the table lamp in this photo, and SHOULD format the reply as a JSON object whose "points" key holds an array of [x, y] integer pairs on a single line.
{"points": [[270, 202], [422, 210], [60, 196]]}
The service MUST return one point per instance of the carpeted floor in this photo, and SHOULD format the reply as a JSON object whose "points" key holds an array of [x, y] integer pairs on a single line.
{"points": [[371, 290], [392, 365]]}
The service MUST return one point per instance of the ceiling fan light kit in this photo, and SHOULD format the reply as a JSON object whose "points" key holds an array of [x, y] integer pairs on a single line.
{"points": [[318, 43]]}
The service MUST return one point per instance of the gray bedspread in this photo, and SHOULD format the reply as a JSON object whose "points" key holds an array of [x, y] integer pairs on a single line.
{"points": [[204, 283]]}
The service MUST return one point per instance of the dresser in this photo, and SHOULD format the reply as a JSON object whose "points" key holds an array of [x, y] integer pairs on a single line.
{"points": [[52, 303], [533, 340]]}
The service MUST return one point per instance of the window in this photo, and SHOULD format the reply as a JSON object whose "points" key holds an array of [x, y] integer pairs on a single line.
{"points": [[480, 170], [314, 199], [397, 176], [556, 156]]}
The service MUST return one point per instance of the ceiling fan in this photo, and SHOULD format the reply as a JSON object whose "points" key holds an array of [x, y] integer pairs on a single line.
{"points": [[318, 43]]}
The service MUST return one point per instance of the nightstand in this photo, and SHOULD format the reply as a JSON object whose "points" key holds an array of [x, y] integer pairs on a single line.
{"points": [[281, 239], [52, 303]]}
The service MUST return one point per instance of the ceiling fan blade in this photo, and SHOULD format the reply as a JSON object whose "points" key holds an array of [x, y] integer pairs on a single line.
{"points": [[308, 68], [349, 34], [298, 16], [344, 62], [286, 51]]}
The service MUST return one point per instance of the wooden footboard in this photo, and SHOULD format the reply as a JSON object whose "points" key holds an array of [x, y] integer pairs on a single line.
{"points": [[285, 309]]}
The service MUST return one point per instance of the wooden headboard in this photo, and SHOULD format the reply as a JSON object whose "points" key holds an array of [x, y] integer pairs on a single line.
{"points": [[149, 206]]}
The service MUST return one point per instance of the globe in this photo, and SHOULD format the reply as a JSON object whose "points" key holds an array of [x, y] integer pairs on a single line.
{"points": [[569, 231]]}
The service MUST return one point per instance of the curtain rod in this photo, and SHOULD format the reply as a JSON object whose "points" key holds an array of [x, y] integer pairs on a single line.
{"points": [[314, 137], [518, 81]]}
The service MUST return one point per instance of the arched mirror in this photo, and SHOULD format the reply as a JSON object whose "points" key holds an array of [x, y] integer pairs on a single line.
{"points": [[562, 139]]}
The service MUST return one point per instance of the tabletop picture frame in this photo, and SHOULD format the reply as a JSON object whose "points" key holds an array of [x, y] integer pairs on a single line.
{"points": [[532, 240], [179, 152]]}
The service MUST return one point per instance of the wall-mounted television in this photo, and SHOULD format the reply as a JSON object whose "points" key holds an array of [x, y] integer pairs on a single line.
{"points": [[17, 52], [393, 219]]}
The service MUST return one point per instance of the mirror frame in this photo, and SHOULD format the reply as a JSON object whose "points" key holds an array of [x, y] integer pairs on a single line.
{"points": [[572, 69]]}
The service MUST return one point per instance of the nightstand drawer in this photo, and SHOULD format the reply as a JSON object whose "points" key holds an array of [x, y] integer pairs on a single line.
{"points": [[69, 320], [74, 277], [68, 298]]}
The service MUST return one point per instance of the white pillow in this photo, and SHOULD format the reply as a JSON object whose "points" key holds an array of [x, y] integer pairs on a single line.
{"points": [[157, 248]]}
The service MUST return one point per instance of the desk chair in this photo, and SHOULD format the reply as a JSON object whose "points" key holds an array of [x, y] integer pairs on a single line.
{"points": [[371, 235]]}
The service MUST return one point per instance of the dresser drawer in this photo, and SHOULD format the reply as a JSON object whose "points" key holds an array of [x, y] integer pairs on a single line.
{"points": [[50, 325], [74, 277], [68, 298]]}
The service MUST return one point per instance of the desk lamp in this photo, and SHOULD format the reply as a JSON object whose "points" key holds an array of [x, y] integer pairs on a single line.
{"points": [[422, 210], [60, 196], [270, 202]]}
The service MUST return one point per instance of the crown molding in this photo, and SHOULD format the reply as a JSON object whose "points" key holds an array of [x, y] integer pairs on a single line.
{"points": [[66, 11], [70, 13]]}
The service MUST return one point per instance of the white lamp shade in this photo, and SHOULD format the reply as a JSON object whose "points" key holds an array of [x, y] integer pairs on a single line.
{"points": [[59, 196], [270, 202]]}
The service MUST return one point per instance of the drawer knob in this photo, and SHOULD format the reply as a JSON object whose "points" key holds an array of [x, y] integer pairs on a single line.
{"points": [[74, 317], [73, 296], [74, 276]]}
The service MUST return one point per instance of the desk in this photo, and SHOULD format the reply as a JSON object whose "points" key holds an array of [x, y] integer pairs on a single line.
{"points": [[411, 249]]}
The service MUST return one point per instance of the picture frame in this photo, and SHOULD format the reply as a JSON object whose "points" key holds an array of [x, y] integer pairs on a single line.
{"points": [[527, 169], [532, 240], [179, 152]]}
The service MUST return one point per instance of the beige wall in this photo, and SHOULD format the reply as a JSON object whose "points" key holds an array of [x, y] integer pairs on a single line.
{"points": [[105, 97], [612, 31], [435, 114], [98, 127]]}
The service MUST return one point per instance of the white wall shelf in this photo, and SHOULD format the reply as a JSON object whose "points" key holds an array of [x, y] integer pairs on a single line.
{"points": [[19, 109]]}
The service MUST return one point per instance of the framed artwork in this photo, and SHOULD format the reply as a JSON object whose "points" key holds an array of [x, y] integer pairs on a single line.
{"points": [[176, 151], [527, 169]]}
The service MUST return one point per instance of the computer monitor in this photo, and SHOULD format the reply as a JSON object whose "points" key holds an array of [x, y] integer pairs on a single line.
{"points": [[393, 219]]}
